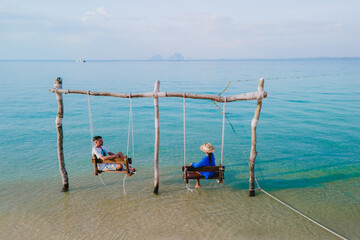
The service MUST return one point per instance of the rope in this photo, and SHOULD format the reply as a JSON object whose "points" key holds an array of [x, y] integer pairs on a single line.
{"points": [[223, 132], [257, 183], [225, 88], [292, 77], [124, 185], [101, 179], [237, 137], [128, 140], [184, 118], [184, 130], [308, 218], [90, 121], [132, 129], [188, 188], [278, 200], [92, 130]]}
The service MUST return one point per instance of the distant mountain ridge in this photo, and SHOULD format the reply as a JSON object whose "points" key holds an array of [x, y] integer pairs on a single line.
{"points": [[174, 57]]}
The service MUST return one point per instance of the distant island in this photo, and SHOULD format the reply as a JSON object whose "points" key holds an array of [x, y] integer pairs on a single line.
{"points": [[174, 57]]}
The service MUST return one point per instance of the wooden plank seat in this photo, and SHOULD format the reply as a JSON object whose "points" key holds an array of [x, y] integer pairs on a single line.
{"points": [[191, 172], [126, 162]]}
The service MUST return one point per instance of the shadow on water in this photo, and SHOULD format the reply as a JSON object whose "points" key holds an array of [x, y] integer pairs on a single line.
{"points": [[306, 170], [281, 184]]}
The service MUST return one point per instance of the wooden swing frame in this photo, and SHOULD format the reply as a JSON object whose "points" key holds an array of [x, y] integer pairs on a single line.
{"points": [[259, 95]]}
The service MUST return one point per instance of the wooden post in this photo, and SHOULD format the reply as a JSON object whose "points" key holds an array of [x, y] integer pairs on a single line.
{"points": [[253, 152], [157, 137], [58, 123]]}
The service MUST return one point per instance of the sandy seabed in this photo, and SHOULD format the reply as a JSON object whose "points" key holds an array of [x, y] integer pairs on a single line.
{"points": [[91, 210]]}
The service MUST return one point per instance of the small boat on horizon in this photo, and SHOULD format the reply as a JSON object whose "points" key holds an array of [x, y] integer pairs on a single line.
{"points": [[80, 60]]}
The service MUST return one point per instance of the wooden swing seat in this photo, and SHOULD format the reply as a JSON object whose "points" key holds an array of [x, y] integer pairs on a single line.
{"points": [[126, 162], [191, 172]]}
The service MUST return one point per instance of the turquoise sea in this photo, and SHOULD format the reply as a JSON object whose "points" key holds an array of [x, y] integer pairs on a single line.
{"points": [[307, 141]]}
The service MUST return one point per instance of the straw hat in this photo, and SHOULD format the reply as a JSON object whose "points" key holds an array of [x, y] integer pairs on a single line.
{"points": [[207, 147]]}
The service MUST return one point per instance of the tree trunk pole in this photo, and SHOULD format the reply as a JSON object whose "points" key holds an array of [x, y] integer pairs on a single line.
{"points": [[58, 123], [157, 137], [253, 152]]}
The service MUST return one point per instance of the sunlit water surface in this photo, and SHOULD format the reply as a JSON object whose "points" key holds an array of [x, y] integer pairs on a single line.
{"points": [[308, 151]]}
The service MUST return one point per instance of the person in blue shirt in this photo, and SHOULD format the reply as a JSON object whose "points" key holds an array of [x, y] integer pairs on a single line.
{"points": [[208, 160]]}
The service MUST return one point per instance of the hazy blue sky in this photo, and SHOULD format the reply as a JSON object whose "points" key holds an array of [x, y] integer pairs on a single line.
{"points": [[139, 29]]}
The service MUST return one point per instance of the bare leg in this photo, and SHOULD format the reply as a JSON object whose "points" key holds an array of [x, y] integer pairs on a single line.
{"points": [[119, 155], [119, 167], [197, 183]]}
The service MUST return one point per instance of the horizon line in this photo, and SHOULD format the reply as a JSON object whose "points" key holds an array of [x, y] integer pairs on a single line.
{"points": [[182, 60]]}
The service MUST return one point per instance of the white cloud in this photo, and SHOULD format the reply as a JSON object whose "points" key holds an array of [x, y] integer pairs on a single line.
{"points": [[335, 25], [99, 13], [196, 33]]}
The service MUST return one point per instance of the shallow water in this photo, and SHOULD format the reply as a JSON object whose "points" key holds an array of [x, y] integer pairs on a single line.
{"points": [[307, 151]]}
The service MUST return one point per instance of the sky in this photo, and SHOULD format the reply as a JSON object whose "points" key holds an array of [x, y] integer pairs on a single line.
{"points": [[198, 29]]}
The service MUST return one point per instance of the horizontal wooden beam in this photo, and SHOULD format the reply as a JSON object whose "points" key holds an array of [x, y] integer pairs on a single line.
{"points": [[260, 94]]}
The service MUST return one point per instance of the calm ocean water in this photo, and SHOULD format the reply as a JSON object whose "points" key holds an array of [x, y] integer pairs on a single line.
{"points": [[308, 150]]}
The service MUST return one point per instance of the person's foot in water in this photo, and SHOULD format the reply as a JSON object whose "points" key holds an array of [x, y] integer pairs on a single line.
{"points": [[197, 183]]}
